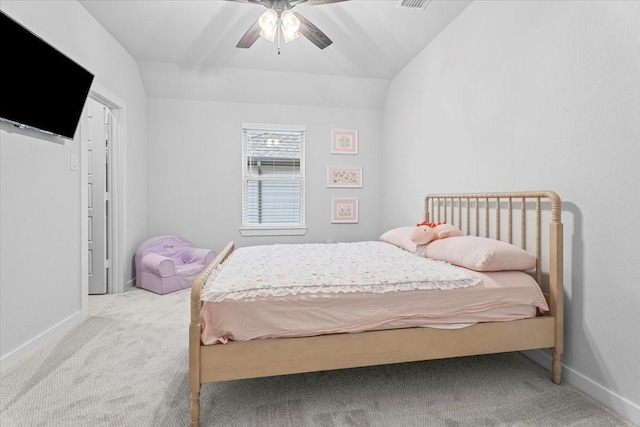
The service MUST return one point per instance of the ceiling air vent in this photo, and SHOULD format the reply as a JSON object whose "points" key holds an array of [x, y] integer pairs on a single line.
{"points": [[413, 4]]}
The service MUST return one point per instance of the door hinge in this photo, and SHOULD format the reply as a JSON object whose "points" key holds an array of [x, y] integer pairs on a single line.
{"points": [[107, 196], [107, 263]]}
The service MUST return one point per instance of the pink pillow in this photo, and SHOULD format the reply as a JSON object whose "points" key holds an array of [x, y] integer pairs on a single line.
{"points": [[479, 254], [400, 237]]}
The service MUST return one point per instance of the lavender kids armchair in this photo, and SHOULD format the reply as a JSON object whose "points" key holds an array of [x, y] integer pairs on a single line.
{"points": [[169, 263]]}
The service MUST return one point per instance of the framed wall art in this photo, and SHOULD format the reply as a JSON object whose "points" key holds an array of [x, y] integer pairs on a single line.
{"points": [[340, 176], [344, 210], [344, 141]]}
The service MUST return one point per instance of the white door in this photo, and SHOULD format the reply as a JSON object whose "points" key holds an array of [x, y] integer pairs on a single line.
{"points": [[98, 145]]}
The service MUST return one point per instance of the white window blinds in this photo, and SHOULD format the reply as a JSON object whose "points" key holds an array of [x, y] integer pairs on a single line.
{"points": [[273, 176]]}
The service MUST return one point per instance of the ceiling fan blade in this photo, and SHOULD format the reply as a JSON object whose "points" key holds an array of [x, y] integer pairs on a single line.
{"points": [[315, 2], [265, 3], [250, 36], [313, 33]]}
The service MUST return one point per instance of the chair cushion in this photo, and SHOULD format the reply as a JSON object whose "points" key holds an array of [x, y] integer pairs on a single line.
{"points": [[186, 268]]}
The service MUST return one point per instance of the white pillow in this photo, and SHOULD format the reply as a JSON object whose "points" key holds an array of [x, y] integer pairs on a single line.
{"points": [[400, 237], [479, 254]]}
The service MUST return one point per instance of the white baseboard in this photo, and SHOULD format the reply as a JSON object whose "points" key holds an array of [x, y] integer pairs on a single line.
{"points": [[130, 284], [619, 404], [40, 340]]}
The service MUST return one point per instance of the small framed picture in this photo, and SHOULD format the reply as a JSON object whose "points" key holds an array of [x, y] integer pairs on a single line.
{"points": [[344, 141], [344, 210], [344, 177]]}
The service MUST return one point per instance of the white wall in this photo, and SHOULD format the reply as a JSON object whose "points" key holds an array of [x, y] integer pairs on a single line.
{"points": [[40, 196], [194, 169], [539, 95], [248, 86]]}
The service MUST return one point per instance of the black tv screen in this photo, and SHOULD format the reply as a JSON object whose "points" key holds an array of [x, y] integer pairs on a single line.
{"points": [[40, 87]]}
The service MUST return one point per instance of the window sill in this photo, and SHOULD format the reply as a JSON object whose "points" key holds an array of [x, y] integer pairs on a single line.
{"points": [[273, 231]]}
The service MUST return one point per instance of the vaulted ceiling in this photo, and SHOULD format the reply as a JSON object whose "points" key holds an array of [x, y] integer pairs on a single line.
{"points": [[372, 39]]}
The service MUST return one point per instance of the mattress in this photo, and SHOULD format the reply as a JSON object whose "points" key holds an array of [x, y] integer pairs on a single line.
{"points": [[241, 316], [376, 267]]}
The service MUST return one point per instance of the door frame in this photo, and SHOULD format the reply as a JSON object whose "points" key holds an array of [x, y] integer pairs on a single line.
{"points": [[118, 218]]}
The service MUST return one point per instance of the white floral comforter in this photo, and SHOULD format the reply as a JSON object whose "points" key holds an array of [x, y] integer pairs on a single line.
{"points": [[378, 267]]}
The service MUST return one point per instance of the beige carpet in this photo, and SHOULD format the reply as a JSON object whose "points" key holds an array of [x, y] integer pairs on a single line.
{"points": [[126, 365]]}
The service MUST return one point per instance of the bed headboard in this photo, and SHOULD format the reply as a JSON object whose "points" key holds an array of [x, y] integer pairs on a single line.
{"points": [[519, 218]]}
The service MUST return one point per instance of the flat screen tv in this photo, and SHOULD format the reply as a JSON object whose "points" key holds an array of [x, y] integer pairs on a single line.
{"points": [[40, 87]]}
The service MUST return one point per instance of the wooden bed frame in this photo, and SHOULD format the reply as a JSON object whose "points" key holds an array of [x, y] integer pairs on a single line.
{"points": [[474, 214]]}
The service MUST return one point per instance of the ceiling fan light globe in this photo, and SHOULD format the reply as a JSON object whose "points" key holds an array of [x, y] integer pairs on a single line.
{"points": [[268, 21], [269, 35], [290, 22], [289, 35]]}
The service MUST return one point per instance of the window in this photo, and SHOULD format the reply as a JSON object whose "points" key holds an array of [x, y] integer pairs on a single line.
{"points": [[273, 178]]}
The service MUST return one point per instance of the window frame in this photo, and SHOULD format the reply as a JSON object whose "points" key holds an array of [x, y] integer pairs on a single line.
{"points": [[272, 229]]}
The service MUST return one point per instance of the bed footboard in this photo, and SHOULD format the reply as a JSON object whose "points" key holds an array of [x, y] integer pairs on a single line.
{"points": [[195, 331]]}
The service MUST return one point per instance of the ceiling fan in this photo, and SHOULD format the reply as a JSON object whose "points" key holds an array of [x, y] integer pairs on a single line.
{"points": [[279, 19]]}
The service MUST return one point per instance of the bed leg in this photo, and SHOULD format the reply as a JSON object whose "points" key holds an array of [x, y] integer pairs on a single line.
{"points": [[556, 367], [195, 408]]}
